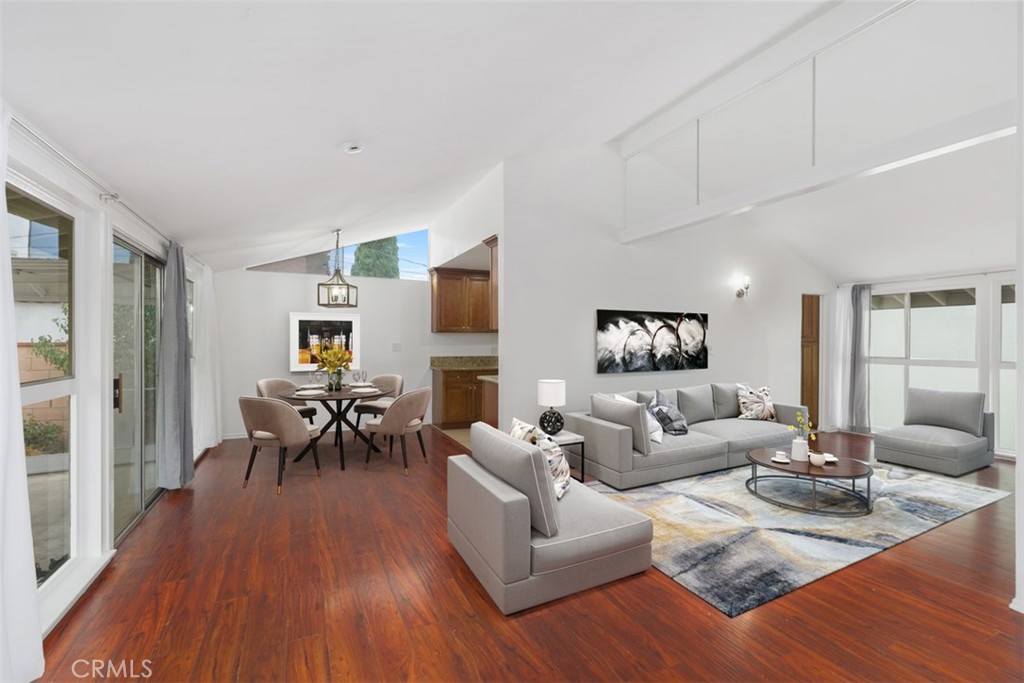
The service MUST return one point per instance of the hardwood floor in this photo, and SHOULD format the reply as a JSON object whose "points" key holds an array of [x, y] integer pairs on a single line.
{"points": [[350, 577]]}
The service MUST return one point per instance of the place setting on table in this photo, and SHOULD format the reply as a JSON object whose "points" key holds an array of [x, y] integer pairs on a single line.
{"points": [[337, 398]]}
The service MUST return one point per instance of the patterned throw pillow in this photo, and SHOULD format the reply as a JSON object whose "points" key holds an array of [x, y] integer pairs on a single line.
{"points": [[755, 404], [668, 415], [551, 450]]}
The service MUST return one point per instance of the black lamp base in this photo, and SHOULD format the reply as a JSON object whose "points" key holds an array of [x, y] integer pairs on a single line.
{"points": [[551, 421]]}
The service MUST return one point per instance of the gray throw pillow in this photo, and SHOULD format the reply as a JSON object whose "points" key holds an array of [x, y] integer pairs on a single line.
{"points": [[727, 402], [697, 403]]}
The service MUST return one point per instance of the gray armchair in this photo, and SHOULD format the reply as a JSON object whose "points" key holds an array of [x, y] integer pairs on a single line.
{"points": [[523, 544], [943, 431]]}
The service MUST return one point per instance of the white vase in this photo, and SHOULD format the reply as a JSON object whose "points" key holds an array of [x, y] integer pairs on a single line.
{"points": [[799, 453]]}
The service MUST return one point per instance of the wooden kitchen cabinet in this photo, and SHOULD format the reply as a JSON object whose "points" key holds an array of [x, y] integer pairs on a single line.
{"points": [[458, 397], [492, 244], [460, 300]]}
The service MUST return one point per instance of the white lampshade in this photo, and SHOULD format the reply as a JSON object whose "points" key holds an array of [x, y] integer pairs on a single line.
{"points": [[551, 392]]}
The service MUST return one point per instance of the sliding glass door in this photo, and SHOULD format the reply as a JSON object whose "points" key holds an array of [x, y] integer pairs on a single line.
{"points": [[136, 335]]}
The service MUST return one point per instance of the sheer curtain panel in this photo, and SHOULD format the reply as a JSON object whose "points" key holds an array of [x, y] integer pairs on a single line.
{"points": [[21, 637], [175, 464], [206, 395]]}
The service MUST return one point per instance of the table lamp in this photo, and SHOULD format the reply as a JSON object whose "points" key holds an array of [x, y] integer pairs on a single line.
{"points": [[551, 393]]}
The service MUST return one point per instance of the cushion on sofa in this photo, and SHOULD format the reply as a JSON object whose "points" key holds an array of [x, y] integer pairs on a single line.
{"points": [[696, 403], [726, 399], [953, 409], [632, 415], [938, 442], [743, 435], [668, 416], [557, 463], [521, 466], [592, 526], [673, 450], [755, 404], [654, 428]]}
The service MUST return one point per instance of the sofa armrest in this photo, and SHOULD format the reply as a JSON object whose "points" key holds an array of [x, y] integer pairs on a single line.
{"points": [[786, 414], [492, 515], [608, 443], [988, 429]]}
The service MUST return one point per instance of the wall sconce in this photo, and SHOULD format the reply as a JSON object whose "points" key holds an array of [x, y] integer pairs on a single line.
{"points": [[742, 283]]}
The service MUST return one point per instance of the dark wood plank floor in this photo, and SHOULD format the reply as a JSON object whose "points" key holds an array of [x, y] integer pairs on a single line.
{"points": [[350, 577]]}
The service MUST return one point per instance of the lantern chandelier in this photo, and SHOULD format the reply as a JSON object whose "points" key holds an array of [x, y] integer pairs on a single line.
{"points": [[336, 293]]}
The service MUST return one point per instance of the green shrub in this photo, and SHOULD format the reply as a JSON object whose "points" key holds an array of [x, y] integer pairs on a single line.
{"points": [[43, 437]]}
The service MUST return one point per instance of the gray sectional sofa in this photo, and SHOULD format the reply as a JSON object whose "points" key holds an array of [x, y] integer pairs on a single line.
{"points": [[943, 431], [621, 454], [525, 545]]}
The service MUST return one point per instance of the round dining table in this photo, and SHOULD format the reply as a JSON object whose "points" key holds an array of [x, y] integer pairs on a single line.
{"points": [[338, 404]]}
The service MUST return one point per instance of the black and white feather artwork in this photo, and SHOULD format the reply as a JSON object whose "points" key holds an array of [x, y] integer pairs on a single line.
{"points": [[640, 341]]}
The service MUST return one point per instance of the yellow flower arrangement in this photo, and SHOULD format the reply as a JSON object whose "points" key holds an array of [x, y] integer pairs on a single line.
{"points": [[334, 359], [802, 427]]}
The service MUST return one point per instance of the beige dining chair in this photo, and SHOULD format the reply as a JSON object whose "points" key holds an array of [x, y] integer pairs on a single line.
{"points": [[272, 422], [391, 385], [402, 417], [270, 388]]}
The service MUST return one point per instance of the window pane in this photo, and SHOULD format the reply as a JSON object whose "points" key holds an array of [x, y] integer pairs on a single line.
{"points": [[1009, 324], [402, 256], [887, 396], [46, 427], [1006, 418], [942, 324], [944, 379], [41, 257], [888, 329]]}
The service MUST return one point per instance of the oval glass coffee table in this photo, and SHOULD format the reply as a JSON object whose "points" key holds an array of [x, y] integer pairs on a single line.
{"points": [[834, 499]]}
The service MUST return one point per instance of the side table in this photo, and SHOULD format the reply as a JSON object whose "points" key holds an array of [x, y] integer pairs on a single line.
{"points": [[566, 438]]}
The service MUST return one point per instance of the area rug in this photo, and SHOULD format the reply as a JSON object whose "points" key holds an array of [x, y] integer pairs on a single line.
{"points": [[738, 552]]}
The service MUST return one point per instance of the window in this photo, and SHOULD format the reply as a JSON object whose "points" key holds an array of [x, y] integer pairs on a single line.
{"points": [[920, 339], [41, 261], [399, 257]]}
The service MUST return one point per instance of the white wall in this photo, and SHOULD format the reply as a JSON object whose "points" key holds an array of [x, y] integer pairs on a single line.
{"points": [[253, 328], [477, 215], [561, 261]]}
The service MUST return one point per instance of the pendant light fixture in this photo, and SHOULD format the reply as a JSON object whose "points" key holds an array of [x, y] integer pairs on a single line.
{"points": [[336, 293]]}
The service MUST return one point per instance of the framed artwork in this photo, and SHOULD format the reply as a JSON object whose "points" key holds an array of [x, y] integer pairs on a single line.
{"points": [[309, 333], [646, 341]]}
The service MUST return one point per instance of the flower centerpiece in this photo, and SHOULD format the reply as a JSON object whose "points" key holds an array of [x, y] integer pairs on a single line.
{"points": [[802, 428], [335, 361]]}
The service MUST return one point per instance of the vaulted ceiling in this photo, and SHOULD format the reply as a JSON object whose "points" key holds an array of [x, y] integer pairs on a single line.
{"points": [[224, 123]]}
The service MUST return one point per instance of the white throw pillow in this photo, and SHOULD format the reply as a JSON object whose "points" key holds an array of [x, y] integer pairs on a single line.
{"points": [[552, 451], [755, 404], [655, 431]]}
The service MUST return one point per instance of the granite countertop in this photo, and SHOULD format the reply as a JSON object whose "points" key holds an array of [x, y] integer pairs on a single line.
{"points": [[488, 378], [463, 362]]}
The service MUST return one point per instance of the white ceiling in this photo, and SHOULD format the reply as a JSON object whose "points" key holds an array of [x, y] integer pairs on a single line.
{"points": [[221, 122], [951, 214]]}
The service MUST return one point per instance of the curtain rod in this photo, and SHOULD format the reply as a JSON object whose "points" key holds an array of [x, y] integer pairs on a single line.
{"points": [[928, 278], [106, 194]]}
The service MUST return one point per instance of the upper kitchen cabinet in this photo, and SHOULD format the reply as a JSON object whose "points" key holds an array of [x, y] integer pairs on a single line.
{"points": [[460, 300]]}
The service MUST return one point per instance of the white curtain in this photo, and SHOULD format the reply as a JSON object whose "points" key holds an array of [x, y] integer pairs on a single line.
{"points": [[840, 358], [21, 635], [206, 378]]}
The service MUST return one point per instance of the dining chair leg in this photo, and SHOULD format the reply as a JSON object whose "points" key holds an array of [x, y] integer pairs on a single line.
{"points": [[405, 458], [391, 445], [316, 457], [280, 469], [248, 470], [369, 449], [359, 418], [423, 449]]}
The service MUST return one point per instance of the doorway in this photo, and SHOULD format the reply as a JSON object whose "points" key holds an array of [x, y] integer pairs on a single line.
{"points": [[138, 297]]}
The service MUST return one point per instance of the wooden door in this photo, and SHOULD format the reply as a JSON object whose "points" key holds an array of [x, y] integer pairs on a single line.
{"points": [[809, 353]]}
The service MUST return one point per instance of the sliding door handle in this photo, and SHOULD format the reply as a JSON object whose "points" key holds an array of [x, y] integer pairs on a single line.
{"points": [[118, 383]]}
